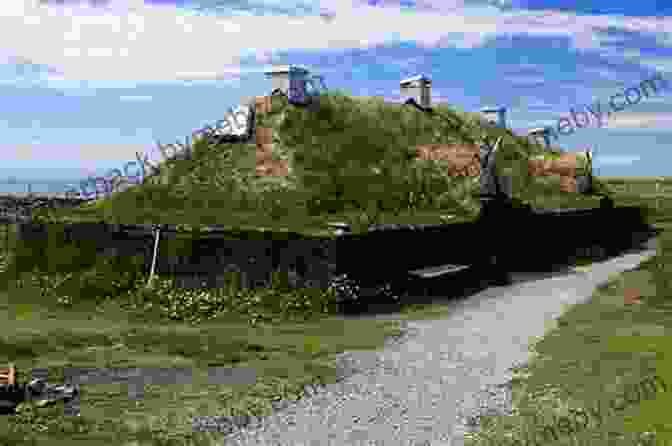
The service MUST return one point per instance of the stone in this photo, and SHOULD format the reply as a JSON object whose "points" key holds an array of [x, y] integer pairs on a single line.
{"points": [[583, 184], [460, 158], [263, 104], [632, 296], [568, 184], [7, 407], [267, 164], [264, 136]]}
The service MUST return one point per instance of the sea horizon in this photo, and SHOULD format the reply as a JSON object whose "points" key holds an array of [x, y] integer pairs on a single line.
{"points": [[37, 186]]}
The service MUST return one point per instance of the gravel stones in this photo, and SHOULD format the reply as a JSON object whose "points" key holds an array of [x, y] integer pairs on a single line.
{"points": [[432, 385]]}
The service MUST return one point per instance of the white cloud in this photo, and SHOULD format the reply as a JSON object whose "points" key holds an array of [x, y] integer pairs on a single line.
{"points": [[135, 98], [660, 64], [658, 100], [78, 155], [133, 41], [633, 120], [617, 159]]}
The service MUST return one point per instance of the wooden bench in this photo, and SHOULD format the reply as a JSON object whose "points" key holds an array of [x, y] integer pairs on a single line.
{"points": [[437, 271], [8, 375], [426, 277]]}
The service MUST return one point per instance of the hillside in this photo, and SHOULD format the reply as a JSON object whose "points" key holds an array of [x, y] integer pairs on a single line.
{"points": [[341, 159]]}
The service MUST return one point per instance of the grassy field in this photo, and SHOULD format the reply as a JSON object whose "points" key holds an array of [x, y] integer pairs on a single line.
{"points": [[597, 357], [283, 340], [285, 351], [281, 357]]}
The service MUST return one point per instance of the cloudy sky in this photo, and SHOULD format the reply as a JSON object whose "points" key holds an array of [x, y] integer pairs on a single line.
{"points": [[86, 84]]}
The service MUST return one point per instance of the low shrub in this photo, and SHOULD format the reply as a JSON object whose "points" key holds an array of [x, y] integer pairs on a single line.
{"points": [[125, 278], [278, 301], [275, 302], [354, 295]]}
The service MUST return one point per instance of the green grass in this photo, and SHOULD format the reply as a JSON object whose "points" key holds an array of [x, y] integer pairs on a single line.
{"points": [[289, 339], [634, 181], [286, 338], [284, 355], [351, 159], [594, 352]]}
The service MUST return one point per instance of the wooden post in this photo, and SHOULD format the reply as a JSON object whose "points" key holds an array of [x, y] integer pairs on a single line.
{"points": [[157, 234], [8, 374]]}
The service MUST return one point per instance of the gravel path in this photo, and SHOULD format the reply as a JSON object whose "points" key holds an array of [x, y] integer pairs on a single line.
{"points": [[424, 389]]}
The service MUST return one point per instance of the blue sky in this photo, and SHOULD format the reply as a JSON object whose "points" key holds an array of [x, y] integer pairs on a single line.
{"points": [[86, 84]]}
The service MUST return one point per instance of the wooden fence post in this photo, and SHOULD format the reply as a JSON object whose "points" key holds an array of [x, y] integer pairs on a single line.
{"points": [[8, 374], [157, 234]]}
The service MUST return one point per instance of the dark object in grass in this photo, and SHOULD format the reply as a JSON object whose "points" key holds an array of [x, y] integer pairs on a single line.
{"points": [[38, 390], [10, 396], [356, 294]]}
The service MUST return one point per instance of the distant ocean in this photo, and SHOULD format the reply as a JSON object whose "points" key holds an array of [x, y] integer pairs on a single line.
{"points": [[38, 186], [45, 180]]}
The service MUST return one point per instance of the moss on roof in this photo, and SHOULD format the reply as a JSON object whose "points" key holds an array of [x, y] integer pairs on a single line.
{"points": [[349, 159]]}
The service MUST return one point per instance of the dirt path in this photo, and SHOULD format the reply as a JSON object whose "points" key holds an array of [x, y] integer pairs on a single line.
{"points": [[423, 391]]}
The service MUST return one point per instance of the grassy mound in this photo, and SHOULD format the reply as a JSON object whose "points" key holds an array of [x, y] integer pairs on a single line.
{"points": [[344, 158]]}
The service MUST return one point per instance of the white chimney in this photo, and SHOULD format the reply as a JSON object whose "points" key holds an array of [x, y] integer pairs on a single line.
{"points": [[291, 80], [417, 87], [495, 115], [542, 133]]}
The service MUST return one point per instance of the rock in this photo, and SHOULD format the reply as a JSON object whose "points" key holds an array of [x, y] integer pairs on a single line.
{"points": [[7, 407], [632, 296], [568, 184], [462, 159]]}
